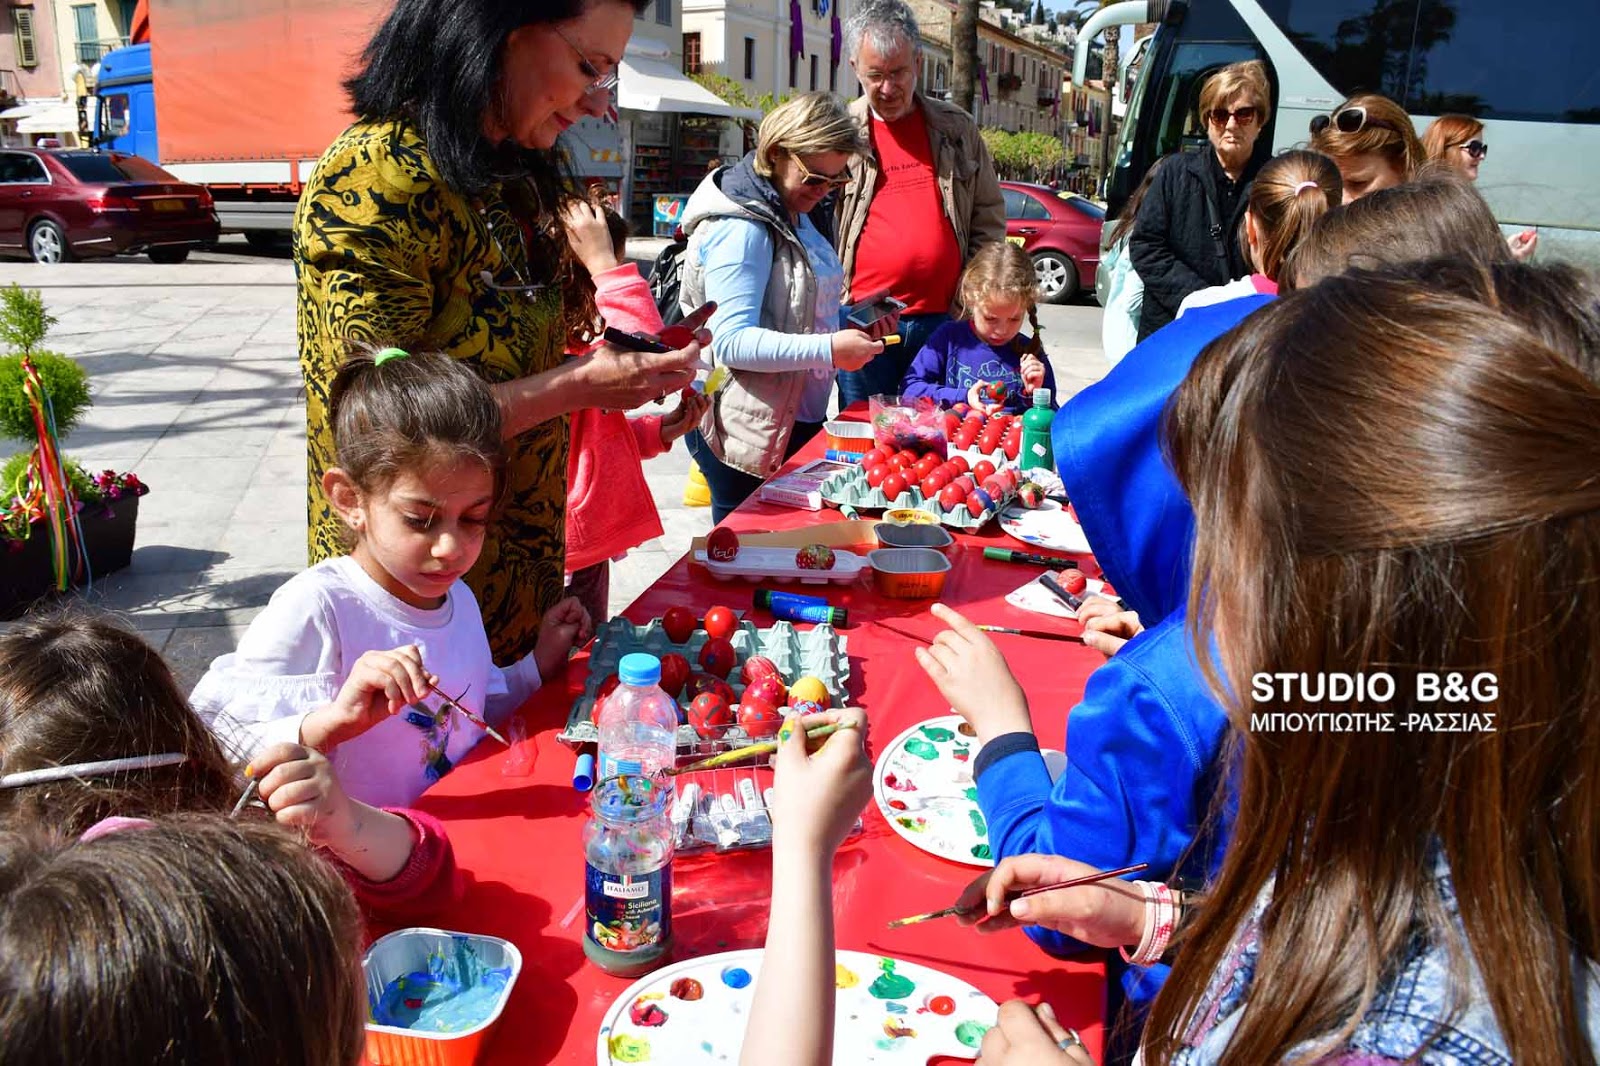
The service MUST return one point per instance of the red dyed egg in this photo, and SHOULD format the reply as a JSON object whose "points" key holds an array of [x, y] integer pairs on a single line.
{"points": [[758, 666], [674, 674], [932, 485], [709, 714], [722, 544], [767, 690], [950, 497], [759, 718], [717, 657], [877, 474], [982, 470], [894, 486], [699, 684], [1074, 581], [720, 623], [679, 624], [960, 463]]}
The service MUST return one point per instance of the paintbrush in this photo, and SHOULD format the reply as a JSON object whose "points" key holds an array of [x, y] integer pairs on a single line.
{"points": [[475, 719], [766, 747], [1037, 634], [250, 791], [948, 912]]}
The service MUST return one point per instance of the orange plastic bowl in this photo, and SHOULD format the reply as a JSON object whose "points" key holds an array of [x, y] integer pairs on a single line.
{"points": [[409, 951], [909, 573], [849, 436]]}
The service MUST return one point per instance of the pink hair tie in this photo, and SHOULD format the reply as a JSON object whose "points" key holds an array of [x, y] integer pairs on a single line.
{"points": [[1304, 185], [114, 824]]}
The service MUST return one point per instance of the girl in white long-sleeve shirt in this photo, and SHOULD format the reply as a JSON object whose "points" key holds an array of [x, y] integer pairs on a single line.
{"points": [[351, 656]]}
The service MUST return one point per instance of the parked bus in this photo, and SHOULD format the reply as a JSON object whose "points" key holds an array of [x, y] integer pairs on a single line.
{"points": [[1526, 70]]}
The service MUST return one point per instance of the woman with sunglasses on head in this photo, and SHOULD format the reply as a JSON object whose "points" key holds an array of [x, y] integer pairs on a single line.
{"points": [[760, 248], [1184, 237], [429, 219], [1372, 141], [1457, 141]]}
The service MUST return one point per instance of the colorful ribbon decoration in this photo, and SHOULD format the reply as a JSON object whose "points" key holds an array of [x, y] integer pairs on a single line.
{"points": [[48, 489]]}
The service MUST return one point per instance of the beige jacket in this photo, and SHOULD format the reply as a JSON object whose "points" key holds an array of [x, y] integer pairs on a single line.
{"points": [[967, 184]]}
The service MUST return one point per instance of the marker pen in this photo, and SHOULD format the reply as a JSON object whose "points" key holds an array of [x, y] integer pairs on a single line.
{"points": [[1011, 555], [795, 607]]}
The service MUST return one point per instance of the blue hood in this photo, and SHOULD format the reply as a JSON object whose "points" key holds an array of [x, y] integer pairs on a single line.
{"points": [[1107, 443]]}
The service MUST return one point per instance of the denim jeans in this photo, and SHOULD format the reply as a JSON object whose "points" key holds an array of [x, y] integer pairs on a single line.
{"points": [[885, 373], [730, 487]]}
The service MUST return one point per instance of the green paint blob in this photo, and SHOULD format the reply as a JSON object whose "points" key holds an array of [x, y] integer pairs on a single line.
{"points": [[982, 851], [885, 1044], [937, 735], [891, 985], [922, 749], [971, 1033], [972, 794], [978, 825]]}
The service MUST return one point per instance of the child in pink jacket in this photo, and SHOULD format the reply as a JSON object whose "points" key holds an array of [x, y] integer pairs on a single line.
{"points": [[609, 507]]}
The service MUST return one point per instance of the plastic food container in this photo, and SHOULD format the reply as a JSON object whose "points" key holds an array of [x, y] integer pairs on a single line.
{"points": [[909, 573], [917, 535], [849, 436], [411, 951]]}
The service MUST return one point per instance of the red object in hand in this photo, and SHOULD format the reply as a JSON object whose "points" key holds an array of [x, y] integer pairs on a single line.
{"points": [[894, 486], [718, 657], [678, 623], [758, 666], [674, 674], [709, 714], [722, 544], [720, 623], [759, 718], [1074, 582]]}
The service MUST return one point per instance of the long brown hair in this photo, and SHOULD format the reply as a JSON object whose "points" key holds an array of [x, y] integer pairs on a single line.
{"points": [[1387, 132], [1130, 208], [1395, 472], [1440, 214], [1288, 196], [1447, 133], [193, 940], [75, 687]]}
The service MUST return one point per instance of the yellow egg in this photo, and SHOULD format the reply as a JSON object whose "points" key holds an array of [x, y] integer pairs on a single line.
{"points": [[809, 688]]}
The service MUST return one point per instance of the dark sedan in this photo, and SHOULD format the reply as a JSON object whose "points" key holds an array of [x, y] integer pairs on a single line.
{"points": [[1060, 231], [57, 205]]}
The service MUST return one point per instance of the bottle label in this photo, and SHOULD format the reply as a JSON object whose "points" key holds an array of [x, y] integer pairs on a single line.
{"points": [[611, 766], [628, 912]]}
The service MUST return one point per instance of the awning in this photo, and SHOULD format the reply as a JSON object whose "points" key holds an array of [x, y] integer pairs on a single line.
{"points": [[23, 110], [52, 118], [646, 84]]}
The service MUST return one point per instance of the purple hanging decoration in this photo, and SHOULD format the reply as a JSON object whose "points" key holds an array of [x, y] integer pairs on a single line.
{"points": [[983, 81], [797, 29], [837, 43]]}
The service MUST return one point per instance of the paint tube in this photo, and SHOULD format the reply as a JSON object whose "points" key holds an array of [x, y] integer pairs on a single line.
{"points": [[794, 607], [683, 812]]}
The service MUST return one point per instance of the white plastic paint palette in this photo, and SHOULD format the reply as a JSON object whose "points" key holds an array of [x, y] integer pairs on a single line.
{"points": [[924, 786], [1048, 526], [887, 1011]]}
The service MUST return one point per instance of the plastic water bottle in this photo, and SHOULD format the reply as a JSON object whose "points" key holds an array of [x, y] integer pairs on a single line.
{"points": [[639, 722], [1034, 450]]}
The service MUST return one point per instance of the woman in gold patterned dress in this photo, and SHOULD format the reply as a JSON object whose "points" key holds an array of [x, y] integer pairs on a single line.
{"points": [[424, 225]]}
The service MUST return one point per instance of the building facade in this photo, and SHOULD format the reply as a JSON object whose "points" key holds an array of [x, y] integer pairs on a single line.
{"points": [[769, 46], [1087, 110], [1019, 83]]}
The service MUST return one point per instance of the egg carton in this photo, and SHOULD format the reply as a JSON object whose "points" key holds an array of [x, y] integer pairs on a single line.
{"points": [[819, 653], [850, 489]]}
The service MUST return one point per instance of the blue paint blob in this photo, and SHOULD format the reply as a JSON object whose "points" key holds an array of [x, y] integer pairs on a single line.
{"points": [[736, 977], [454, 994]]}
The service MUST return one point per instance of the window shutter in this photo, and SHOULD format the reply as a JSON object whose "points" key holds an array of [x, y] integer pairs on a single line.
{"points": [[27, 52]]}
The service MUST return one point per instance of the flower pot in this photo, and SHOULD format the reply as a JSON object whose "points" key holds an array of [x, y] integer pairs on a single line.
{"points": [[26, 576]]}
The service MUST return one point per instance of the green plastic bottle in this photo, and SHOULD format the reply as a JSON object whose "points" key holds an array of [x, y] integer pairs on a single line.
{"points": [[1036, 422]]}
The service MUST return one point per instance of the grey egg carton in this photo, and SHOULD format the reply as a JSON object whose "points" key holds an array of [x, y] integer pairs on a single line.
{"points": [[849, 488], [819, 653]]}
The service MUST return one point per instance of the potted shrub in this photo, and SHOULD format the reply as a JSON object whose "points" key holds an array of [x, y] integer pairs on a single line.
{"points": [[45, 548]]}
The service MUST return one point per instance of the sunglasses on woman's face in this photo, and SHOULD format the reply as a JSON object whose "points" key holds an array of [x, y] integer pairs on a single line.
{"points": [[1349, 120], [1476, 149], [1245, 116], [812, 180]]}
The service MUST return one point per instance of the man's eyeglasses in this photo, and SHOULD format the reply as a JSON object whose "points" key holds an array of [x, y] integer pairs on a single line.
{"points": [[1246, 116], [1476, 149], [811, 179], [600, 82], [1349, 120]]}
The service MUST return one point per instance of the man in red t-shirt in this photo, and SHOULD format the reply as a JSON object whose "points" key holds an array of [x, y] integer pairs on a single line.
{"points": [[922, 199]]}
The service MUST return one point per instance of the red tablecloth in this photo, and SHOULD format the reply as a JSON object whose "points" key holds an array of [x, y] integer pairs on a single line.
{"points": [[518, 838]]}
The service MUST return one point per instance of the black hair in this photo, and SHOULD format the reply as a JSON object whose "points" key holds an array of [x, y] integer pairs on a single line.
{"points": [[438, 63], [408, 412]]}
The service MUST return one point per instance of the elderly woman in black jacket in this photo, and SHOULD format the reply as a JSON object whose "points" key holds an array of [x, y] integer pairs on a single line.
{"points": [[1186, 235]]}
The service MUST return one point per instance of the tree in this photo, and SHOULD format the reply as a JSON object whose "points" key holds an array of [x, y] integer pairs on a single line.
{"points": [[964, 54], [1038, 12]]}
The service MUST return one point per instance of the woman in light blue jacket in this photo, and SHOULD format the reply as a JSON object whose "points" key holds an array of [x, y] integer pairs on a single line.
{"points": [[1123, 288]]}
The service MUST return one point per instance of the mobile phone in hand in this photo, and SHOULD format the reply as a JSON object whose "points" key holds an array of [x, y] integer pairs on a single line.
{"points": [[868, 313], [677, 335]]}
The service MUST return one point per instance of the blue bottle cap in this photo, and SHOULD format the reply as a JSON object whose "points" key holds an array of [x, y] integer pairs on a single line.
{"points": [[583, 773], [639, 669]]}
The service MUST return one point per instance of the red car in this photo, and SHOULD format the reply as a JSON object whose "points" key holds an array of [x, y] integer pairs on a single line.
{"points": [[57, 205], [1061, 231]]}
